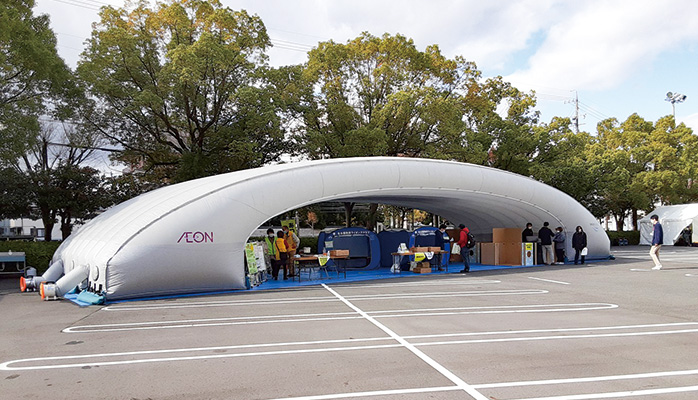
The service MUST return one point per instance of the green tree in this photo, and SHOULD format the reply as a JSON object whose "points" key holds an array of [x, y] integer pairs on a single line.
{"points": [[14, 194], [34, 80], [562, 163], [51, 171], [500, 120], [180, 87], [78, 193], [377, 96], [614, 163], [668, 153]]}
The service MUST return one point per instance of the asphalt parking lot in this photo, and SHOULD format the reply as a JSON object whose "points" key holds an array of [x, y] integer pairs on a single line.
{"points": [[612, 329]]}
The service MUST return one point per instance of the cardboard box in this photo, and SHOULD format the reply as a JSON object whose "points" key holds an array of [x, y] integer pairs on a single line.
{"points": [[420, 249], [489, 253], [421, 270], [510, 253], [425, 264], [339, 253], [506, 235], [434, 249]]}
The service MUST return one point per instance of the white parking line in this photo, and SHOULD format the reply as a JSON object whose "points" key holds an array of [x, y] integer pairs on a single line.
{"points": [[102, 359], [549, 280], [589, 379], [440, 283], [409, 346], [373, 393], [273, 319], [286, 301], [615, 395]]}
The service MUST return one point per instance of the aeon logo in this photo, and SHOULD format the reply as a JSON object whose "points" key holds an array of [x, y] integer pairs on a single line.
{"points": [[196, 237]]}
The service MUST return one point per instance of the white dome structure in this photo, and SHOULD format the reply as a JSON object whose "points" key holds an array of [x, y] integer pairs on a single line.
{"points": [[190, 237]]}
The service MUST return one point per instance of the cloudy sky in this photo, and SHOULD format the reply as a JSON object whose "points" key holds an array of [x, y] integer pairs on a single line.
{"points": [[620, 57]]}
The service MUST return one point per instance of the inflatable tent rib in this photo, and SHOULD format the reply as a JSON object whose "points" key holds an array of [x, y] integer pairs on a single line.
{"points": [[190, 237]]}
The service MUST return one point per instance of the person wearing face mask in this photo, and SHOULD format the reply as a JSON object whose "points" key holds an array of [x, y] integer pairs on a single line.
{"points": [[270, 253], [440, 240], [579, 242]]}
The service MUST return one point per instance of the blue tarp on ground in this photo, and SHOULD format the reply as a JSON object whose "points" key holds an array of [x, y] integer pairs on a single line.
{"points": [[363, 246], [389, 242]]}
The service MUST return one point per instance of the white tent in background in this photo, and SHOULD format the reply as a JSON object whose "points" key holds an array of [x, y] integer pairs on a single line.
{"points": [[190, 237], [674, 220]]}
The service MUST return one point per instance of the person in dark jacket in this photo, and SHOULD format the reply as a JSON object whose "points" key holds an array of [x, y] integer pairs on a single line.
{"points": [[440, 240], [579, 242], [657, 240], [527, 232], [560, 240], [546, 241]]}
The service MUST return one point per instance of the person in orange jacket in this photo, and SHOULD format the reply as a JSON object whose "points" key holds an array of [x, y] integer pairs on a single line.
{"points": [[292, 243], [281, 257]]}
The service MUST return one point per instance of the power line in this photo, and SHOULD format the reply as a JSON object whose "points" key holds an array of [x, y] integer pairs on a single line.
{"points": [[78, 3]]}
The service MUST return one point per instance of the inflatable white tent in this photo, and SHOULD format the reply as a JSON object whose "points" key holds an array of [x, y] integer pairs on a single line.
{"points": [[190, 237], [674, 220]]}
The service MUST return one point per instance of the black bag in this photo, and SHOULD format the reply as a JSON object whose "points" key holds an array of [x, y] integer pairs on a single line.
{"points": [[471, 241]]}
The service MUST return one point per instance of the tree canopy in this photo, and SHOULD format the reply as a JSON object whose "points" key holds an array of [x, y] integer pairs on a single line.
{"points": [[181, 87]]}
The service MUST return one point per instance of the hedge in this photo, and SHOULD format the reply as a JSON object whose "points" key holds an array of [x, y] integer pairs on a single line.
{"points": [[633, 237], [38, 254]]}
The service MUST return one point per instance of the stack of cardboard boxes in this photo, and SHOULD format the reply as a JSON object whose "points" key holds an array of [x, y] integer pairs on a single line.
{"points": [[505, 248], [423, 267]]}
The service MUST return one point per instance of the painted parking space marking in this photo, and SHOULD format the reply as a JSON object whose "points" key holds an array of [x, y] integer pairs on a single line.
{"points": [[169, 355], [373, 393], [527, 383], [440, 283], [286, 301], [409, 346], [268, 319], [691, 274], [549, 280], [615, 395], [592, 379]]}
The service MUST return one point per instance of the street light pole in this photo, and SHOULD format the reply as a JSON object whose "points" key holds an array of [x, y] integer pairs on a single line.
{"points": [[674, 98]]}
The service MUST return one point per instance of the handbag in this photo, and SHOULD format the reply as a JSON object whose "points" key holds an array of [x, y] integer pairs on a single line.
{"points": [[584, 251], [455, 249]]}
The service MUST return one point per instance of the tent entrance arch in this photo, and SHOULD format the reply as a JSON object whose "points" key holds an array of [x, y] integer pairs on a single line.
{"points": [[190, 237]]}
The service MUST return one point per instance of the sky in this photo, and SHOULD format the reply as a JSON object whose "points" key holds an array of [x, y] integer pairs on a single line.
{"points": [[616, 57]]}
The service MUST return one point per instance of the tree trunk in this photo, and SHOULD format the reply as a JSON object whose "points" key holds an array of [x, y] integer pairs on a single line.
{"points": [[348, 207], [635, 224], [620, 220], [66, 226], [49, 221], [372, 217]]}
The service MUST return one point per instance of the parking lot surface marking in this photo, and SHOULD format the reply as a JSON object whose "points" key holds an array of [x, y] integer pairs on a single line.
{"points": [[441, 369], [549, 280]]}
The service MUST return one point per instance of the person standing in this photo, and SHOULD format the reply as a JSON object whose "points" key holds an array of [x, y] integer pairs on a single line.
{"points": [[281, 257], [657, 240], [559, 240], [270, 251], [292, 243], [579, 243], [546, 241], [527, 232], [440, 240], [464, 250]]}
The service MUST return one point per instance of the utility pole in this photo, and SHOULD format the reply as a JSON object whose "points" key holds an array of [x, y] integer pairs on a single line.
{"points": [[576, 112], [575, 119]]}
